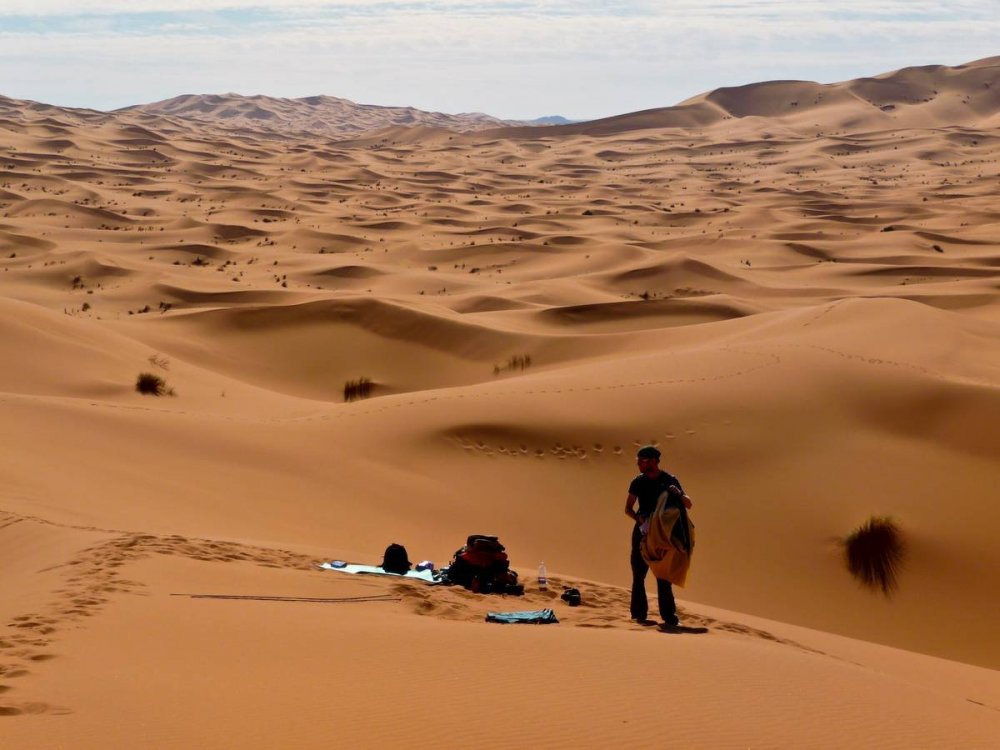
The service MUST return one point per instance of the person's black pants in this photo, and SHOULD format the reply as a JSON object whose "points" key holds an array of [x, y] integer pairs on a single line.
{"points": [[664, 591]]}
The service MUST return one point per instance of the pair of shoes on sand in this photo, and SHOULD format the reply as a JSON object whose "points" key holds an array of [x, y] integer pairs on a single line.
{"points": [[678, 628], [666, 627], [645, 621]]}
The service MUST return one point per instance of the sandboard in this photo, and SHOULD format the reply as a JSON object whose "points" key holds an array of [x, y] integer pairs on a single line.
{"points": [[427, 576]]}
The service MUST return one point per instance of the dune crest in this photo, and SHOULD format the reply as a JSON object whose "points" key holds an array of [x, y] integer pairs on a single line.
{"points": [[917, 97]]}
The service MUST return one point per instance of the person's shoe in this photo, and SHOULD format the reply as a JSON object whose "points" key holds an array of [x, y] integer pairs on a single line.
{"points": [[643, 621], [688, 629], [670, 627]]}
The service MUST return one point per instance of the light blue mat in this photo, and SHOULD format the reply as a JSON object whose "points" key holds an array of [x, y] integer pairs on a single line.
{"points": [[426, 576]]}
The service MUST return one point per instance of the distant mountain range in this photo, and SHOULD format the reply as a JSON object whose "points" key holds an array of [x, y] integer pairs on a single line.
{"points": [[323, 115], [552, 120]]}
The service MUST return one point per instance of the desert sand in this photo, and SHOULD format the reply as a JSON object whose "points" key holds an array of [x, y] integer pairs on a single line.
{"points": [[790, 288]]}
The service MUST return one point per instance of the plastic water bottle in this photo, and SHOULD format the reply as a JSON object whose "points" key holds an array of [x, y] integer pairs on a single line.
{"points": [[543, 577]]}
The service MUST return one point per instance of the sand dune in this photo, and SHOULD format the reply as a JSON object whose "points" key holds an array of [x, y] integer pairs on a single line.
{"points": [[790, 288], [921, 97], [319, 115]]}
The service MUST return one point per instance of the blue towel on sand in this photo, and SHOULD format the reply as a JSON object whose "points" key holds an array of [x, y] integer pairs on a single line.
{"points": [[536, 617]]}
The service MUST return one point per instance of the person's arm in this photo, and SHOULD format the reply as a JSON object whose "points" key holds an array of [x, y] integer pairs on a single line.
{"points": [[630, 507], [675, 490]]}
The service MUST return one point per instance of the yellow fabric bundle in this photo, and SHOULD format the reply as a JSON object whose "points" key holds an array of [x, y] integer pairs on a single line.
{"points": [[666, 547]]}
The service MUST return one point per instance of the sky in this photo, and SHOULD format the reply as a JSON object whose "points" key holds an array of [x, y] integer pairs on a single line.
{"points": [[582, 59]]}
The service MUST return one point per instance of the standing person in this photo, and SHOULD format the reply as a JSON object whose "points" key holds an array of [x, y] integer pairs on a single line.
{"points": [[645, 490]]}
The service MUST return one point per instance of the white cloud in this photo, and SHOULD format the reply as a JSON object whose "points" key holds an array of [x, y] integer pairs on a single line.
{"points": [[73, 7], [675, 9]]}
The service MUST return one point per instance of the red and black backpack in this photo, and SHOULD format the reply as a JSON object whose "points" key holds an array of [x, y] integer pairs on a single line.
{"points": [[482, 566]]}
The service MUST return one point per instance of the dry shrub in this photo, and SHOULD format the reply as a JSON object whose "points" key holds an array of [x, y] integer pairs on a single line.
{"points": [[516, 362], [360, 388], [149, 384], [874, 553]]}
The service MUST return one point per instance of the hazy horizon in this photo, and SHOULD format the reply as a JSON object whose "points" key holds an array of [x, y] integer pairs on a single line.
{"points": [[509, 59]]}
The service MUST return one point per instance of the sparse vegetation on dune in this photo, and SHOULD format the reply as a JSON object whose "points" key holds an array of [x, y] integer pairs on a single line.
{"points": [[159, 361], [149, 384], [874, 553], [516, 362], [355, 389]]}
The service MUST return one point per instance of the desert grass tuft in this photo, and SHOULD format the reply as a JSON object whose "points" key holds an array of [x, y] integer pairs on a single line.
{"points": [[360, 388], [516, 362], [149, 384], [874, 554], [157, 361]]}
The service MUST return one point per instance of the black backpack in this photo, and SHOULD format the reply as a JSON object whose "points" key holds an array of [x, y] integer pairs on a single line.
{"points": [[395, 560]]}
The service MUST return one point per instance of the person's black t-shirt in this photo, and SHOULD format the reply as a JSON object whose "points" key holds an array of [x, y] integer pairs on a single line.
{"points": [[649, 490]]}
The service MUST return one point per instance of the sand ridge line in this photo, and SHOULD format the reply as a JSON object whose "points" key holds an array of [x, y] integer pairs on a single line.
{"points": [[824, 311], [880, 362]]}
